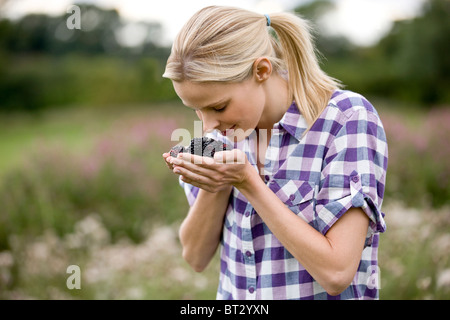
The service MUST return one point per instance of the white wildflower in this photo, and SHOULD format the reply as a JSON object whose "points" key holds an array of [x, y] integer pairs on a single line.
{"points": [[443, 279], [6, 259]]}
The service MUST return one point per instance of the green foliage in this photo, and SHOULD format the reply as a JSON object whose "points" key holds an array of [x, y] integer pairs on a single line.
{"points": [[416, 51], [40, 33], [414, 254], [123, 179], [410, 64], [418, 172], [44, 64], [42, 81]]}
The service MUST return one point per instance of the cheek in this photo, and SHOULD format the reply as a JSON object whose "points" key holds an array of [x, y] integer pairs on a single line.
{"points": [[249, 118], [256, 99], [252, 108], [255, 107], [253, 98]]}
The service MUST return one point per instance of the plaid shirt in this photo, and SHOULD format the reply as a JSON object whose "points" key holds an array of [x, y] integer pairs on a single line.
{"points": [[339, 163]]}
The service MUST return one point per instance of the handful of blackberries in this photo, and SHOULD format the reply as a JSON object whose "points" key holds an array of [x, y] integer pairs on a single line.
{"points": [[204, 146]]}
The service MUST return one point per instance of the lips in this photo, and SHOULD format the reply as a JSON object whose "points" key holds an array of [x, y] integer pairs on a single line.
{"points": [[228, 131]]}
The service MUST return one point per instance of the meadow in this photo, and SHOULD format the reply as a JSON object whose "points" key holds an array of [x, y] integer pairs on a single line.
{"points": [[88, 187]]}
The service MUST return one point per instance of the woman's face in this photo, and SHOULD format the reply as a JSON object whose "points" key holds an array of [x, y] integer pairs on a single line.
{"points": [[235, 109]]}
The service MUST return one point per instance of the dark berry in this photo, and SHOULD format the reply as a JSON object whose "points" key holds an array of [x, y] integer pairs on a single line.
{"points": [[203, 146], [196, 146], [174, 151]]}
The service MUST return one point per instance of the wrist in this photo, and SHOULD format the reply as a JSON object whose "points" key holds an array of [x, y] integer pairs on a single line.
{"points": [[224, 192], [250, 178]]}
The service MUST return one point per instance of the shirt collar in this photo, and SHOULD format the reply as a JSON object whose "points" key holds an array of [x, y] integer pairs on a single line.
{"points": [[293, 122]]}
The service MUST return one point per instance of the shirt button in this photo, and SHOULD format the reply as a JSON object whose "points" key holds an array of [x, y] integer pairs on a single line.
{"points": [[355, 178], [251, 289], [266, 177], [248, 253], [292, 197], [247, 214]]}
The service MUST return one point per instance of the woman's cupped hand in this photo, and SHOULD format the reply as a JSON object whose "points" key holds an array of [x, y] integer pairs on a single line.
{"points": [[212, 174]]}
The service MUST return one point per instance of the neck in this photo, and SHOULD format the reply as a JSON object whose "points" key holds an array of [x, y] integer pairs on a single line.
{"points": [[277, 101]]}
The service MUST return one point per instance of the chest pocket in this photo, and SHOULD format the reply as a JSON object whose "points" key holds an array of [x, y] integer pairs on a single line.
{"points": [[297, 195]]}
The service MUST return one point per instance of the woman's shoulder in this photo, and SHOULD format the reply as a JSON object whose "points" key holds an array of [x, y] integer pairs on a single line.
{"points": [[346, 108], [348, 102]]}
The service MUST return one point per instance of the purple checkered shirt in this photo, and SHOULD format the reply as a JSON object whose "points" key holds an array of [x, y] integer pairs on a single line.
{"points": [[339, 163]]}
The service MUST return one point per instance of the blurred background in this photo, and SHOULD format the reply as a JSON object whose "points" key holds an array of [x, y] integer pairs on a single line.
{"points": [[85, 116]]}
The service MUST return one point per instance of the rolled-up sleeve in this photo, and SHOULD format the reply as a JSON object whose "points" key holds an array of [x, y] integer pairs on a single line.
{"points": [[354, 172]]}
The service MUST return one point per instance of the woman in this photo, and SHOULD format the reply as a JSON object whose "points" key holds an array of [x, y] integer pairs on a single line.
{"points": [[296, 205]]}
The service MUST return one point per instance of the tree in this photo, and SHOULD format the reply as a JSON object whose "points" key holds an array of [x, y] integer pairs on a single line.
{"points": [[410, 63], [417, 51]]}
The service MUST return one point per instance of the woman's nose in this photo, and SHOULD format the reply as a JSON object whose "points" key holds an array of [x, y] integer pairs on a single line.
{"points": [[209, 123]]}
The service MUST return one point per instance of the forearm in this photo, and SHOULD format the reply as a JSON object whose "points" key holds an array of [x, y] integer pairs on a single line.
{"points": [[328, 262], [201, 230]]}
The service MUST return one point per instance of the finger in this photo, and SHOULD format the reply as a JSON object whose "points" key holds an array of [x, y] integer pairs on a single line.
{"points": [[199, 169], [167, 159], [191, 177], [195, 159], [232, 156], [167, 156]]}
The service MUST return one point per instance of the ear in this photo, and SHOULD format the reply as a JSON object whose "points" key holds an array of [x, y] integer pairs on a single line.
{"points": [[262, 69]]}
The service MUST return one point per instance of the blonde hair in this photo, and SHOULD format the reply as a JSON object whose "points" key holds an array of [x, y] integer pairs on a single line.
{"points": [[221, 44]]}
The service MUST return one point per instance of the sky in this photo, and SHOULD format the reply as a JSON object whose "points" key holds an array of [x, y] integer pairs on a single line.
{"points": [[364, 22]]}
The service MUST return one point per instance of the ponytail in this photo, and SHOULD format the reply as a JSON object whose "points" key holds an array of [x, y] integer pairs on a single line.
{"points": [[309, 86]]}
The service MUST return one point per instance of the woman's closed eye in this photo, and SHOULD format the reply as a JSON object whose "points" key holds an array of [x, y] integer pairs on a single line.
{"points": [[220, 109]]}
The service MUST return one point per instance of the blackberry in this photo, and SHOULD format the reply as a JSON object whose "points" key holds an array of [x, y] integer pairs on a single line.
{"points": [[176, 150], [203, 146]]}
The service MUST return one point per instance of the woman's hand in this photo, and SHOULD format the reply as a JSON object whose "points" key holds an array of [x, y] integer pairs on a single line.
{"points": [[213, 174], [167, 158]]}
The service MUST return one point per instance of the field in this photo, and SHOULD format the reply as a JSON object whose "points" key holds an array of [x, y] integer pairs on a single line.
{"points": [[88, 187]]}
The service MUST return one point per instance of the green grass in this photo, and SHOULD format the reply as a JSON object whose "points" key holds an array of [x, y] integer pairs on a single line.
{"points": [[21, 134], [73, 128]]}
